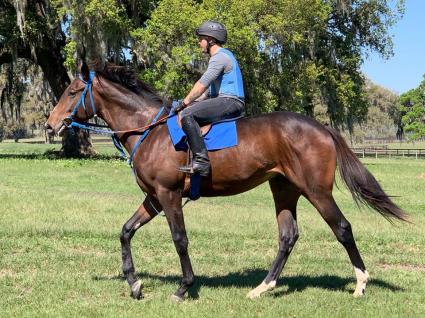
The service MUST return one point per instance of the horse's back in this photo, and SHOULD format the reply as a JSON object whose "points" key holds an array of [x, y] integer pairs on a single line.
{"points": [[288, 143]]}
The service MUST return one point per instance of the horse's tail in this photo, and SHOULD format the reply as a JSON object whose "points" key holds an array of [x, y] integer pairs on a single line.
{"points": [[362, 184]]}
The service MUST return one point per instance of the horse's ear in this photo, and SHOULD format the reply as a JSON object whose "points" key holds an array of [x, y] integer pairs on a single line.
{"points": [[84, 70]]}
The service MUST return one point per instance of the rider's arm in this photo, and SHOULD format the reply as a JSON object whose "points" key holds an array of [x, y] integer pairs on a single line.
{"points": [[216, 66], [204, 96], [197, 90]]}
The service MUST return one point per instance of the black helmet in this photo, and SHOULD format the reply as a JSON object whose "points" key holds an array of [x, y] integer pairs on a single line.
{"points": [[213, 29]]}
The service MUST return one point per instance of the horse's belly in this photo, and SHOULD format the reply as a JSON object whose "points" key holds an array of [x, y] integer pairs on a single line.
{"points": [[225, 187]]}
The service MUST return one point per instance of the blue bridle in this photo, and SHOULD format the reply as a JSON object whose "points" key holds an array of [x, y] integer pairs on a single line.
{"points": [[70, 120], [81, 102]]}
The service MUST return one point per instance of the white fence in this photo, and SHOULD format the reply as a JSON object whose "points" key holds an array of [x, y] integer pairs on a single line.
{"points": [[389, 153]]}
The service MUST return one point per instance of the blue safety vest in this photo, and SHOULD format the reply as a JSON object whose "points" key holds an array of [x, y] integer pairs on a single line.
{"points": [[232, 82]]}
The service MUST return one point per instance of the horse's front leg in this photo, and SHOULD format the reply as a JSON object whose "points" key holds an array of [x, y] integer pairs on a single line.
{"points": [[171, 201], [146, 212]]}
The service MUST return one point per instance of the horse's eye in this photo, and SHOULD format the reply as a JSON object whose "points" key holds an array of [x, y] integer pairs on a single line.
{"points": [[72, 94]]}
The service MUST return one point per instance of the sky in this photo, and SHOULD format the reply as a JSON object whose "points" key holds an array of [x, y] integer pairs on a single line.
{"points": [[406, 68]]}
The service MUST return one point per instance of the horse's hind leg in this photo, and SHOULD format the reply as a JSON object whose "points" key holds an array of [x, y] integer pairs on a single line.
{"points": [[325, 204], [146, 212], [285, 196]]}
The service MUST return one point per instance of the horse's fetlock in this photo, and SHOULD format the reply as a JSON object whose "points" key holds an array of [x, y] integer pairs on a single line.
{"points": [[188, 281]]}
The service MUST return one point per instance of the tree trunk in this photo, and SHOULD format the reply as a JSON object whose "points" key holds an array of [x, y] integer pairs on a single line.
{"points": [[77, 143]]}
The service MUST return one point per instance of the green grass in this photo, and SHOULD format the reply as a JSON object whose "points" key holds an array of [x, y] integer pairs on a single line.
{"points": [[60, 254]]}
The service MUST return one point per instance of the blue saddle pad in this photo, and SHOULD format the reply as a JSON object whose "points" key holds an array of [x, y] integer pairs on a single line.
{"points": [[222, 134]]}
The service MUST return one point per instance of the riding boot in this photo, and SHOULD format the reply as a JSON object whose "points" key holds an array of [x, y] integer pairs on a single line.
{"points": [[200, 162]]}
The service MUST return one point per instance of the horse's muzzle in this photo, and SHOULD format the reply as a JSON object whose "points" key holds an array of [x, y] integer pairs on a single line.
{"points": [[52, 131]]}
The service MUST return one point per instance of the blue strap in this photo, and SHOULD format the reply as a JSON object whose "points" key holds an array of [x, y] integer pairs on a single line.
{"points": [[142, 137], [87, 88], [118, 145], [87, 126]]}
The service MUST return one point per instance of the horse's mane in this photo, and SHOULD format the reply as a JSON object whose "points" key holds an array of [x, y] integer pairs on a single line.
{"points": [[127, 78]]}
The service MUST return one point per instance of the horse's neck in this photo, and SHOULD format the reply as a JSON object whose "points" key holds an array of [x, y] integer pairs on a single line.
{"points": [[126, 113]]}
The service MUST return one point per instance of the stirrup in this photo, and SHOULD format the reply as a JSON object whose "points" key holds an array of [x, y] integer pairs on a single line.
{"points": [[190, 169]]}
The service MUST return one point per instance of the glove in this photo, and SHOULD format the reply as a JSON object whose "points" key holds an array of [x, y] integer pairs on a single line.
{"points": [[180, 106]]}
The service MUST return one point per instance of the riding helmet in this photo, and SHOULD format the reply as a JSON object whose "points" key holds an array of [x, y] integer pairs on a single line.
{"points": [[213, 29]]}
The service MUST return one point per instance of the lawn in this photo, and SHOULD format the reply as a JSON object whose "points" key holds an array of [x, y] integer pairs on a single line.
{"points": [[60, 253]]}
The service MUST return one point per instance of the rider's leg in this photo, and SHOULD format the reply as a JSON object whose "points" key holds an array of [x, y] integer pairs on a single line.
{"points": [[205, 112], [200, 162], [214, 109]]}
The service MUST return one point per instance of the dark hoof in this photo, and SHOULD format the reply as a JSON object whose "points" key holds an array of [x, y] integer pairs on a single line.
{"points": [[177, 299], [136, 290]]}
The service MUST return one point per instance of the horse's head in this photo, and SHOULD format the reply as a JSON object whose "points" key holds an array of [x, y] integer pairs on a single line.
{"points": [[76, 103]]}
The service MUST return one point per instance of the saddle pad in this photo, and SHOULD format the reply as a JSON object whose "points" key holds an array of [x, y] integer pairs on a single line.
{"points": [[222, 134]]}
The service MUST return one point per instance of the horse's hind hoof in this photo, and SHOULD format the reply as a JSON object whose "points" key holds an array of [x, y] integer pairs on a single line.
{"points": [[177, 299], [136, 290]]}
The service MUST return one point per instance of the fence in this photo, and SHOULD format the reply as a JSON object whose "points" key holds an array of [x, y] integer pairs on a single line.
{"points": [[384, 152]]}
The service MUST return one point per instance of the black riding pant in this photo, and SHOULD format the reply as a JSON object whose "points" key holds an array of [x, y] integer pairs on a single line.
{"points": [[214, 109]]}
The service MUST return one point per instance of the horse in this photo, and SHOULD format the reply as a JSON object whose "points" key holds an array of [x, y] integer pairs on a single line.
{"points": [[297, 156]]}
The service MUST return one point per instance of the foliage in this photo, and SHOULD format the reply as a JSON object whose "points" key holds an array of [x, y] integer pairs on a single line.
{"points": [[100, 26], [298, 55], [412, 105], [16, 131], [382, 118], [26, 97], [294, 54]]}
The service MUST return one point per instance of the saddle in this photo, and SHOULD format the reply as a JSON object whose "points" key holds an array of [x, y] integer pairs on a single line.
{"points": [[204, 128], [217, 135]]}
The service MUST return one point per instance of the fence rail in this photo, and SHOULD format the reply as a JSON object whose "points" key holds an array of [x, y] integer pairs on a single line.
{"points": [[383, 152]]}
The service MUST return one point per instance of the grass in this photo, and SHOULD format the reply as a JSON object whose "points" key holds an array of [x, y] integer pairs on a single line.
{"points": [[60, 254]]}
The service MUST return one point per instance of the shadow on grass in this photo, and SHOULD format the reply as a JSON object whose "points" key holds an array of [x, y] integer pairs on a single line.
{"points": [[252, 278]]}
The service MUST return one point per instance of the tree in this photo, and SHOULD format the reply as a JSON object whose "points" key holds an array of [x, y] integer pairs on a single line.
{"points": [[31, 30], [412, 105], [298, 55], [294, 54]]}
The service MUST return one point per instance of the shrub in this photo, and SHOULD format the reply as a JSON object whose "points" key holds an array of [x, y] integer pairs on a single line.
{"points": [[16, 131]]}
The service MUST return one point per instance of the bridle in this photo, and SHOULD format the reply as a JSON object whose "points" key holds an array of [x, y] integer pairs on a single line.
{"points": [[81, 102], [70, 121]]}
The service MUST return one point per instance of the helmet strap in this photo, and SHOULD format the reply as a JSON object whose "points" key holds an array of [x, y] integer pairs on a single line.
{"points": [[210, 43]]}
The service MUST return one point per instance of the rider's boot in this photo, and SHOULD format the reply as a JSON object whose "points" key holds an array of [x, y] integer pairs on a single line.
{"points": [[200, 162]]}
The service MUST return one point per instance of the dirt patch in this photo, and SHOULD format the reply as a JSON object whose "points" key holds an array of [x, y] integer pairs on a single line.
{"points": [[406, 248], [404, 267], [422, 176], [84, 250], [7, 273]]}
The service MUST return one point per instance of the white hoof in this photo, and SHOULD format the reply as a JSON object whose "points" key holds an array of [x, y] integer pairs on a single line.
{"points": [[260, 289], [362, 278], [176, 299]]}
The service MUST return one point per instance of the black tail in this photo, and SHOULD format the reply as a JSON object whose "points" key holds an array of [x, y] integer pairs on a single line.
{"points": [[362, 184]]}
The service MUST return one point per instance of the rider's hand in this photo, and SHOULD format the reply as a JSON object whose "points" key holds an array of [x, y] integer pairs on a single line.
{"points": [[180, 106]]}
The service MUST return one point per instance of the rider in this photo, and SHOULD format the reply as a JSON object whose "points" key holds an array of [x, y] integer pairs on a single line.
{"points": [[217, 95]]}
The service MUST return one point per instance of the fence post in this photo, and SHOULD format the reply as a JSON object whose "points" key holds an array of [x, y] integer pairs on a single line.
{"points": [[376, 154]]}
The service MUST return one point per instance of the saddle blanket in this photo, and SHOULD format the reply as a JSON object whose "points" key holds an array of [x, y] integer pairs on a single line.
{"points": [[222, 134]]}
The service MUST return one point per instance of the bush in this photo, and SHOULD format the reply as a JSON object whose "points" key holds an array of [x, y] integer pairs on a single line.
{"points": [[16, 131]]}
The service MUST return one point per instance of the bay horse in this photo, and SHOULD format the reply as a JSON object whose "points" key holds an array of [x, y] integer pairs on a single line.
{"points": [[294, 153]]}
